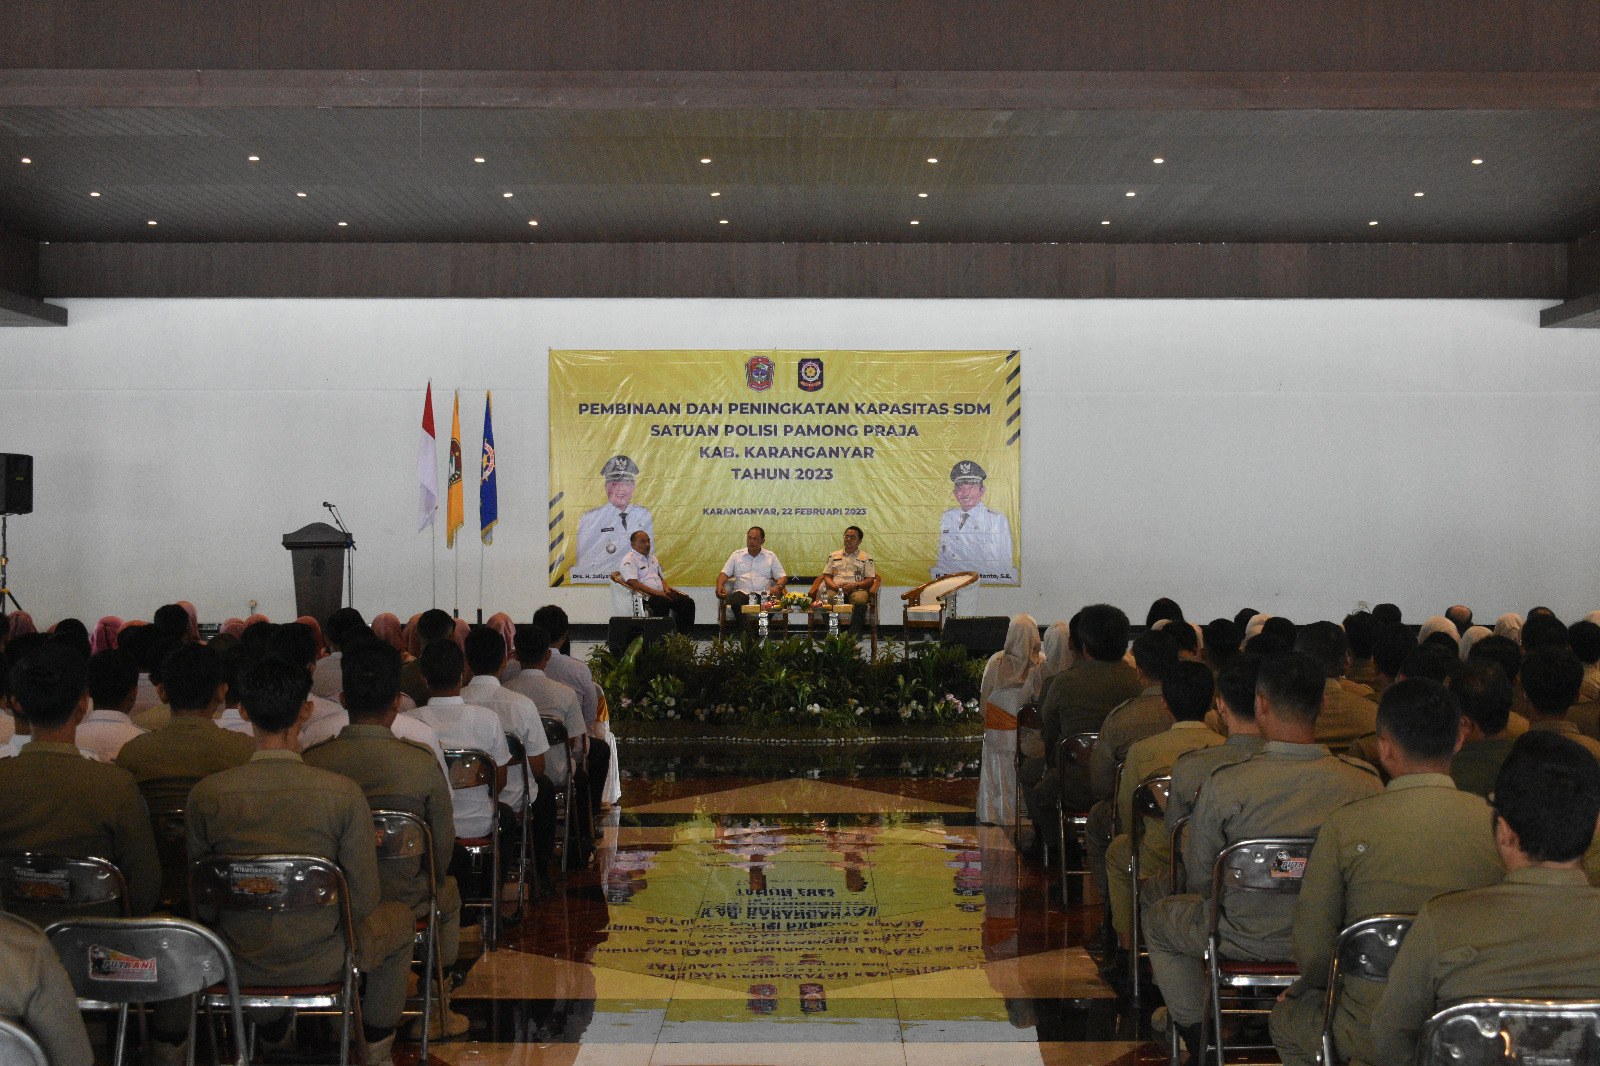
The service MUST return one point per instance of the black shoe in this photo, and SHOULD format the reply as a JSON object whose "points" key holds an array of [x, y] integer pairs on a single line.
{"points": [[1107, 941], [1192, 1043], [1117, 971]]}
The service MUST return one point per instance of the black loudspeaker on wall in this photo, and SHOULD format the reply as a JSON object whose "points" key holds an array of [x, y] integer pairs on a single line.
{"points": [[16, 488], [982, 636]]}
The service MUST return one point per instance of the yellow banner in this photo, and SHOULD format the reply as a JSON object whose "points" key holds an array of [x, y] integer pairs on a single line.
{"points": [[920, 449]]}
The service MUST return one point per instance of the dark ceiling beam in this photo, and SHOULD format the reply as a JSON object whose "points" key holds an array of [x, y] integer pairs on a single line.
{"points": [[1582, 307], [750, 270], [19, 285], [949, 90], [18, 310]]}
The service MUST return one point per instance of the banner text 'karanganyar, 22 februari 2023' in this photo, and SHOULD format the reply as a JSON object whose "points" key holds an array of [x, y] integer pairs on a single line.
{"points": [[920, 449]]}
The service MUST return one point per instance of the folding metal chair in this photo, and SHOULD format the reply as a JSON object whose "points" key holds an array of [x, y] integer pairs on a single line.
{"points": [[1268, 864], [37, 885], [402, 837], [1365, 949], [1149, 801], [1549, 1032], [1076, 748], [283, 884], [472, 768], [555, 734], [519, 764], [1179, 875], [18, 1047], [116, 962]]}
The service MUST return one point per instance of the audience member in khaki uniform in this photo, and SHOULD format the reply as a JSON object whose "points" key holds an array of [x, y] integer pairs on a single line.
{"points": [[1346, 716], [53, 799], [1385, 855], [1485, 697], [113, 685], [1187, 692], [431, 626], [37, 995], [1551, 678], [1507, 654], [276, 804], [1360, 629], [1288, 789], [169, 760], [1146, 715], [1534, 934], [397, 775]]}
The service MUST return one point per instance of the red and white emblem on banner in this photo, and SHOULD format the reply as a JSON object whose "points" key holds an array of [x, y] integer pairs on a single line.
{"points": [[759, 372]]}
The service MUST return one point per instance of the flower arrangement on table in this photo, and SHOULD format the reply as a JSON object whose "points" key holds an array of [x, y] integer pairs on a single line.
{"points": [[795, 601]]}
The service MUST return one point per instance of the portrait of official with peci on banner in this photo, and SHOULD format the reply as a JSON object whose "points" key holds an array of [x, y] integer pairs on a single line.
{"points": [[920, 449]]}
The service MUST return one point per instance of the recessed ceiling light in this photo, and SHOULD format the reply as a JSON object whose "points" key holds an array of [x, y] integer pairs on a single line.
{"points": [[253, 158], [94, 194], [533, 222], [705, 159], [344, 223], [1374, 222], [1130, 192], [922, 196], [722, 222], [1158, 159], [1418, 194], [506, 195], [933, 159], [1475, 162], [716, 194], [152, 222], [477, 159], [914, 222], [25, 159], [299, 194], [1105, 222]]}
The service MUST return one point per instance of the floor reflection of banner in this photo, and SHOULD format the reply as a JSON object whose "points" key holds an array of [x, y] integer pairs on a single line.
{"points": [[918, 448]]}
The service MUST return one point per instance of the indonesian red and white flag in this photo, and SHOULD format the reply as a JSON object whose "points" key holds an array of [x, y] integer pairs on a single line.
{"points": [[428, 465]]}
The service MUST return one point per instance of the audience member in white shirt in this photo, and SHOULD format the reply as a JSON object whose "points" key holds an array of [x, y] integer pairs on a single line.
{"points": [[462, 725], [579, 678], [113, 685]]}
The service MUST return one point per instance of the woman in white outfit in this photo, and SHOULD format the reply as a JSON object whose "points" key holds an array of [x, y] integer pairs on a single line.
{"points": [[1011, 679]]}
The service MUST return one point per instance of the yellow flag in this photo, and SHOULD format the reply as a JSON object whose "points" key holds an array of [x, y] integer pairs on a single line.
{"points": [[455, 513]]}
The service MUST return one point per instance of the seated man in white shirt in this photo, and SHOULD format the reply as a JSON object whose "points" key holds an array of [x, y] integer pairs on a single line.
{"points": [[519, 717], [641, 571], [560, 702], [576, 675], [113, 686], [342, 625], [751, 574]]}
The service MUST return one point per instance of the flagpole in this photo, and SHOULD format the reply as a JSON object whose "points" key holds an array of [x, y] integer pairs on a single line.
{"points": [[433, 550], [480, 580], [457, 611]]}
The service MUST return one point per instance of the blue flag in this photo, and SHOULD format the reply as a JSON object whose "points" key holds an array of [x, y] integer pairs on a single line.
{"points": [[488, 498]]}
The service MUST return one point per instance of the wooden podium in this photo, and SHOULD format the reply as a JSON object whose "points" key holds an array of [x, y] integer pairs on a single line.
{"points": [[317, 552]]}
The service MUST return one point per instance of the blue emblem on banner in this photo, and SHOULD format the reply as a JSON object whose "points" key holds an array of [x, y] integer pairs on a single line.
{"points": [[810, 374]]}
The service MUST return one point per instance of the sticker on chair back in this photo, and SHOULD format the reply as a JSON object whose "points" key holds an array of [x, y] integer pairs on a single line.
{"points": [[1289, 866], [253, 879], [41, 884], [108, 964]]}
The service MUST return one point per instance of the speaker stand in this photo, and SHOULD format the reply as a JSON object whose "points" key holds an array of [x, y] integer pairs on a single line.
{"points": [[5, 589]]}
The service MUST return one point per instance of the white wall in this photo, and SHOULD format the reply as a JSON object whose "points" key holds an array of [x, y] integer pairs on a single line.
{"points": [[1294, 456]]}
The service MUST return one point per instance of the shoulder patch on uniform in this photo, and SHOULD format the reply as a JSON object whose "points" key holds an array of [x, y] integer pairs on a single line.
{"points": [[1359, 764], [420, 746]]}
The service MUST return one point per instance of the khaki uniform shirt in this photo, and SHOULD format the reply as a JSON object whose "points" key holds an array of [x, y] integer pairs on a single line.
{"points": [[168, 761], [1152, 756], [275, 804], [395, 775], [1080, 697], [1143, 716], [1533, 935], [1362, 672], [1286, 790], [1345, 717], [1190, 770], [1477, 764], [1586, 716], [52, 799], [1567, 729], [849, 569], [1388, 854], [37, 995]]}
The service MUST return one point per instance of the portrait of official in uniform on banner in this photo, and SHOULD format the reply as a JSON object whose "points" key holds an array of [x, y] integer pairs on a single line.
{"points": [[918, 450]]}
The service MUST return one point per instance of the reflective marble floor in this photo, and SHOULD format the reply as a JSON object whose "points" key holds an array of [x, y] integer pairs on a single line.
{"points": [[774, 919]]}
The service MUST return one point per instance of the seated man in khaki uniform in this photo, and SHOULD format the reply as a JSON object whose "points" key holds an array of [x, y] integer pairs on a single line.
{"points": [[276, 804], [37, 995], [1385, 855], [397, 775], [1287, 790], [851, 574], [1485, 695], [1551, 678], [53, 799], [169, 760], [1532, 935], [1346, 717]]}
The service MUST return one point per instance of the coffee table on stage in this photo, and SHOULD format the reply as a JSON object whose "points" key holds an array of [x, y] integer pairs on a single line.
{"points": [[776, 616]]}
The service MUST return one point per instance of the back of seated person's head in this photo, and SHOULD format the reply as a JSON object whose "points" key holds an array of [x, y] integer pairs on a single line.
{"points": [[1326, 643], [1163, 608], [191, 677], [1186, 636], [1280, 627], [435, 625], [1548, 793], [1103, 629], [294, 642], [1422, 717], [1236, 684], [233, 660], [341, 624], [1155, 654], [158, 651], [1460, 616], [1551, 679], [139, 642], [1360, 630], [47, 682], [272, 693], [1074, 638], [485, 651], [1443, 640], [554, 621], [1222, 641], [1542, 612], [533, 644], [1485, 694], [113, 677], [1584, 639], [72, 633], [172, 620], [1503, 651], [1242, 619], [1267, 645], [442, 664], [1386, 614], [1391, 643], [222, 642], [1293, 685], [1187, 690], [1431, 661], [1543, 631], [256, 638], [370, 673]]}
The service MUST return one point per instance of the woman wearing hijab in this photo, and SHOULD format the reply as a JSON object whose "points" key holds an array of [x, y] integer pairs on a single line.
{"points": [[501, 623], [1509, 625], [413, 646], [193, 635], [1058, 657], [22, 624], [1011, 679], [1471, 637], [386, 627], [316, 631], [104, 635], [1440, 624]]}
